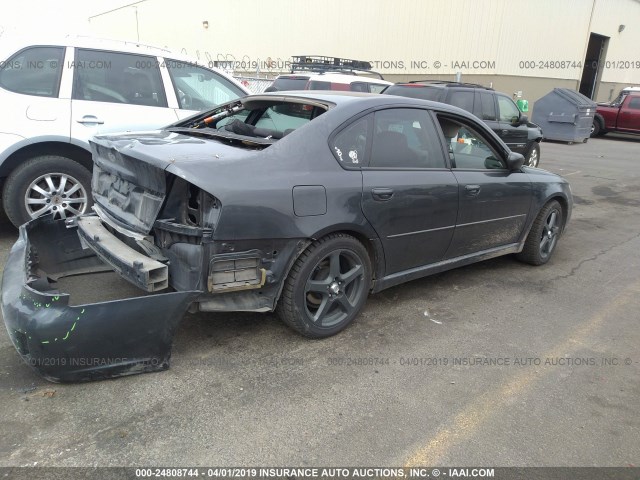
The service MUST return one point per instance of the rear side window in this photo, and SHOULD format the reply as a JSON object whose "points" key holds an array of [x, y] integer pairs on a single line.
{"points": [[405, 138], [101, 76], [33, 71], [359, 87], [349, 145], [198, 88], [290, 83], [487, 108], [462, 99], [319, 85]]}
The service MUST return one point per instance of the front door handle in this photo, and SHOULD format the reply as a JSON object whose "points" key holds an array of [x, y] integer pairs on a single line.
{"points": [[472, 190], [504, 132], [382, 194], [90, 120]]}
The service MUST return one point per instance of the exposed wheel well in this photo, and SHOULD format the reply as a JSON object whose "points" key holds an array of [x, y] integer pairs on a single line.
{"points": [[564, 205], [79, 154], [600, 119], [371, 250]]}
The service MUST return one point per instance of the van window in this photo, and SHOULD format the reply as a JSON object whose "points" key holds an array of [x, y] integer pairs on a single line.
{"points": [[101, 76], [198, 88], [33, 71]]}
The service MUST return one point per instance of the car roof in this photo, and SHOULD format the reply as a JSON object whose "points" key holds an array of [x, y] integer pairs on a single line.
{"points": [[12, 43], [338, 77], [343, 98], [15, 42], [441, 84]]}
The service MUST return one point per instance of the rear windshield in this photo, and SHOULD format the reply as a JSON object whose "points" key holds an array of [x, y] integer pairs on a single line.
{"points": [[290, 83], [424, 92]]}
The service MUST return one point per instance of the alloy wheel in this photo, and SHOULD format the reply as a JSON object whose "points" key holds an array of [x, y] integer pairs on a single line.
{"points": [[550, 232], [334, 288], [56, 193]]}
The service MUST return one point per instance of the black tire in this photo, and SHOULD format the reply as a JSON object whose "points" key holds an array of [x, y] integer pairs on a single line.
{"points": [[533, 156], [23, 201], [596, 128], [327, 286], [544, 234]]}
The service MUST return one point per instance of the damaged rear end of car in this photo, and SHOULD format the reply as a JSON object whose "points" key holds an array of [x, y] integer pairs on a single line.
{"points": [[155, 228]]}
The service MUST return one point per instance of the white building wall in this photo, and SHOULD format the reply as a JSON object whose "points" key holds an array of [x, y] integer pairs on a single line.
{"points": [[402, 37], [622, 64]]}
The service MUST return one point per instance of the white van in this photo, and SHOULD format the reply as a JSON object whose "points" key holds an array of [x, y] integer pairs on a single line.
{"points": [[57, 93]]}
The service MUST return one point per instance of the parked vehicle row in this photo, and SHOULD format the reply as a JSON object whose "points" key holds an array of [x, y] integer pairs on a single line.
{"points": [[347, 194], [496, 109]]}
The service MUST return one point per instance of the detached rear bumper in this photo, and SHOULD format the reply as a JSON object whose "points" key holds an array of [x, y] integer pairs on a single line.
{"points": [[68, 343]]}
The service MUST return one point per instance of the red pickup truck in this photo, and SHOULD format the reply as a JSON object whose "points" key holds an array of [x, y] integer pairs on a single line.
{"points": [[622, 115]]}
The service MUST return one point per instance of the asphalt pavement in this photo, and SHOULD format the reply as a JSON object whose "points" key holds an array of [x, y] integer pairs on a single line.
{"points": [[495, 364]]}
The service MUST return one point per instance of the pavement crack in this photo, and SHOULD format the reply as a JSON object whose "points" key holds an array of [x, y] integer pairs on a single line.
{"points": [[595, 257]]}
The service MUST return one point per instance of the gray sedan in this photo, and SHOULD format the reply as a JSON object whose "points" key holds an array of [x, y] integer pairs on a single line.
{"points": [[303, 203]]}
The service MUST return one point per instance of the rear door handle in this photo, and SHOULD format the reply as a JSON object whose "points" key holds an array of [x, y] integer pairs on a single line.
{"points": [[382, 194], [504, 132], [90, 120], [472, 190]]}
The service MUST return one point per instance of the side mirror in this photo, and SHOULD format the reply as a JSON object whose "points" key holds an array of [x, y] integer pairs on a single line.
{"points": [[522, 119], [515, 161]]}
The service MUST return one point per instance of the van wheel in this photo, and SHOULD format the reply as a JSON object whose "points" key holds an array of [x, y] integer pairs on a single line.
{"points": [[49, 184], [327, 287]]}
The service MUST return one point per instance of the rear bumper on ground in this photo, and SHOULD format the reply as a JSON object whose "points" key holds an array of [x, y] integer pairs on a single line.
{"points": [[65, 342]]}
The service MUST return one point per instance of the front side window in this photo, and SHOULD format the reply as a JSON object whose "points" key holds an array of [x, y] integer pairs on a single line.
{"points": [[198, 88], [405, 138], [33, 71], [359, 87], [468, 148], [635, 103], [101, 76], [509, 113]]}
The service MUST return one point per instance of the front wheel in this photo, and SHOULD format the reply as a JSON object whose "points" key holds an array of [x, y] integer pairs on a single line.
{"points": [[327, 287], [533, 156], [49, 184], [543, 236], [596, 128]]}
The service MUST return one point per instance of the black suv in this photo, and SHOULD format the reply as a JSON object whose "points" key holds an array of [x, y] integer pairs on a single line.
{"points": [[496, 109]]}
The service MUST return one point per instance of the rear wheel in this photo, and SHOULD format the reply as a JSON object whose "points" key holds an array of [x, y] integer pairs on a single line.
{"points": [[44, 185], [544, 234], [533, 155], [327, 287], [596, 128]]}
